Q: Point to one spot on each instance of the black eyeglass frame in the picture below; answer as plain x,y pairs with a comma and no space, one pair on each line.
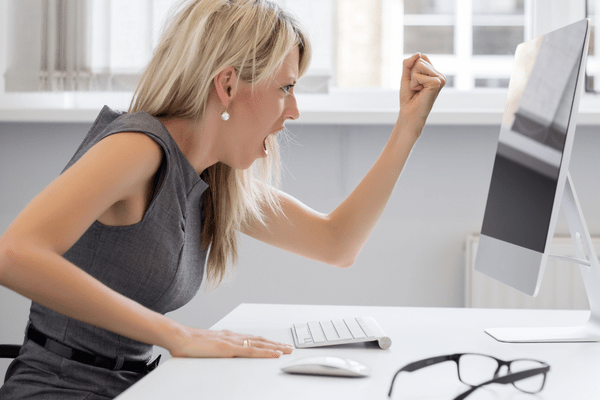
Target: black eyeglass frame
510,377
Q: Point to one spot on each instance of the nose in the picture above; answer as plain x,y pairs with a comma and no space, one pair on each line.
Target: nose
291,110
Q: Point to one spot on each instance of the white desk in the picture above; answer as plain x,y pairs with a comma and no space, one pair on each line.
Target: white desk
416,333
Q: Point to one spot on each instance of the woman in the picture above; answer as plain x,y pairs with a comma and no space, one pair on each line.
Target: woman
123,234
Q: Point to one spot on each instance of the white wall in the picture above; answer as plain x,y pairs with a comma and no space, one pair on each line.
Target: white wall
415,256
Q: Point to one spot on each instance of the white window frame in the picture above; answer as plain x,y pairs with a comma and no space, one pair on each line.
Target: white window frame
339,106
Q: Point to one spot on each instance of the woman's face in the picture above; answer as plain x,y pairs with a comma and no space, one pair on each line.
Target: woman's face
258,111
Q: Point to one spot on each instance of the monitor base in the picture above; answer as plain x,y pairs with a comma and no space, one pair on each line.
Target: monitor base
589,332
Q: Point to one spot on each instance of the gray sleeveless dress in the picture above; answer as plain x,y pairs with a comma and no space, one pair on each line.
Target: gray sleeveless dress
157,262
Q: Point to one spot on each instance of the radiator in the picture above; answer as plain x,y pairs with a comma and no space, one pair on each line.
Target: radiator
561,288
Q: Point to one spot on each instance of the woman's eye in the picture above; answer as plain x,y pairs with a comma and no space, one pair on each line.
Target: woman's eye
287,88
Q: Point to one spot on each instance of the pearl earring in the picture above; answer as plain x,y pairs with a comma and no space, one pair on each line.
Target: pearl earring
225,115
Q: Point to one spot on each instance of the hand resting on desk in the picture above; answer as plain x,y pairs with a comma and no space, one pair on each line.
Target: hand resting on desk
195,342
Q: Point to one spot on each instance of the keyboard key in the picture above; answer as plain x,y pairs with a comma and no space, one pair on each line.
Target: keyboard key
342,329
302,333
316,332
301,329
364,327
330,332
355,328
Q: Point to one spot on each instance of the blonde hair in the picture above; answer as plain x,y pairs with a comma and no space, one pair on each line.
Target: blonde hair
202,38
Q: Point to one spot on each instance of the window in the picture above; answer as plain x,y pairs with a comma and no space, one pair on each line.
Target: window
89,45
122,36
593,65
472,41
357,43
358,46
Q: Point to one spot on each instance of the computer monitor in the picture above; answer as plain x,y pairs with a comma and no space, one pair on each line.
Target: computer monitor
530,178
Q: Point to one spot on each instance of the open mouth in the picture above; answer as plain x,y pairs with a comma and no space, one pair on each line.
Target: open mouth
272,134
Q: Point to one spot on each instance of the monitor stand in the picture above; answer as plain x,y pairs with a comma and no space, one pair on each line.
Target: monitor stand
590,271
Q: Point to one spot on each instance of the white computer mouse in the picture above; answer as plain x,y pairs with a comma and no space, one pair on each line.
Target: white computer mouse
332,366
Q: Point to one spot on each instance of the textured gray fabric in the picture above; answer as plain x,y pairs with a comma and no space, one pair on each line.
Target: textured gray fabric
157,262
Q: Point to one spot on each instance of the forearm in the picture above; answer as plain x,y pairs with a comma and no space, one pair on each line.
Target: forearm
352,222
47,278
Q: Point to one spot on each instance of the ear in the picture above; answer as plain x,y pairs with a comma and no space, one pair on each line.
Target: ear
226,85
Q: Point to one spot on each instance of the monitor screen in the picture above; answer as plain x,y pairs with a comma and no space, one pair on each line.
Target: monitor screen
532,157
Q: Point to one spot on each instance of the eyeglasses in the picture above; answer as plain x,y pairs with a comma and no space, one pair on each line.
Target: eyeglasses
477,370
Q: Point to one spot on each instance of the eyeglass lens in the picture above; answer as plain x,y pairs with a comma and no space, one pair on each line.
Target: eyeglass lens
529,385
473,369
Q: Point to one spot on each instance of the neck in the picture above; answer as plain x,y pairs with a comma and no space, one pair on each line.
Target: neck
195,145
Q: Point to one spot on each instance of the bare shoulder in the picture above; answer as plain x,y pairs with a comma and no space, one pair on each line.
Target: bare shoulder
136,146
117,167
129,161
125,156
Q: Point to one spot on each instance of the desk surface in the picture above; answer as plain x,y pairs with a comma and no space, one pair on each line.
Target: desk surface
416,333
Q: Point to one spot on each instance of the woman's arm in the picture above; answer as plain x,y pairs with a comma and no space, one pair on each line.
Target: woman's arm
338,237
31,249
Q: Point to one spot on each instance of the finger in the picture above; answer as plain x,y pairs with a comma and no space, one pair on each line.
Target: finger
261,339
421,82
257,352
410,61
407,66
423,74
424,57
424,66
434,71
238,339
420,67
263,343
424,61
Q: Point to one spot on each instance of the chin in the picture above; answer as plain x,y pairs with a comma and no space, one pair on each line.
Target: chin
243,163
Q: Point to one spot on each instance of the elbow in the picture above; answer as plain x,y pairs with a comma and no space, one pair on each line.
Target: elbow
9,257
345,264
4,261
335,257
342,259
339,251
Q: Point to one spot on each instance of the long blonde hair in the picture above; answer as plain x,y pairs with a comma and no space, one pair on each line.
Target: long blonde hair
201,39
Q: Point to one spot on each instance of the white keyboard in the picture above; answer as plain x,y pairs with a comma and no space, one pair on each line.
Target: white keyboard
339,331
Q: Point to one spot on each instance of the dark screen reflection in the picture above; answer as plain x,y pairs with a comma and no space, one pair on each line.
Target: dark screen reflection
532,138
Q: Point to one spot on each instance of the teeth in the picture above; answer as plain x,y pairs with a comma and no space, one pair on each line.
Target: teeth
265,146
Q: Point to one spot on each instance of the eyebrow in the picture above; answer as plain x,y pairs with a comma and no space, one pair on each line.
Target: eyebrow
291,80
288,79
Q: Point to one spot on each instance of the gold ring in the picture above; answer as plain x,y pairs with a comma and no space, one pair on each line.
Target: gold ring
246,343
